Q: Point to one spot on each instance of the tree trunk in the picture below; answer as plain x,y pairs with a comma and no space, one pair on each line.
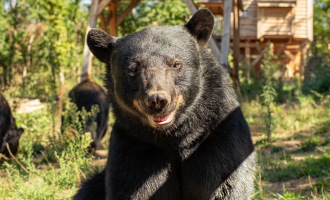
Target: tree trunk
4,75
87,55
27,63
225,38
13,49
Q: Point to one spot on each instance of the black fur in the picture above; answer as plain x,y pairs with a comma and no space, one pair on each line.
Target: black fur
86,94
93,188
9,133
205,152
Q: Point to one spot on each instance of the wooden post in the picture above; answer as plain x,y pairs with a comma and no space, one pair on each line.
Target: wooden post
310,30
304,57
103,26
112,23
247,58
211,43
225,39
87,55
236,45
129,8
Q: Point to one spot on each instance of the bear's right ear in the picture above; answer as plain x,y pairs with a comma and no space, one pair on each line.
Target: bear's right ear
200,26
101,44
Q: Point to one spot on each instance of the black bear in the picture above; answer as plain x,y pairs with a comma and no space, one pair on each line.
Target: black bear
9,133
86,94
179,132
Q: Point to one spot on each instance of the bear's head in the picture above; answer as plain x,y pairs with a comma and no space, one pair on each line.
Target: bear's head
155,72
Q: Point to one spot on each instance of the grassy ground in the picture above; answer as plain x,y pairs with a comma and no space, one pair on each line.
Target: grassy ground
295,165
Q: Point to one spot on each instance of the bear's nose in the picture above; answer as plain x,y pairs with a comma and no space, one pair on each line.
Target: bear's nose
157,102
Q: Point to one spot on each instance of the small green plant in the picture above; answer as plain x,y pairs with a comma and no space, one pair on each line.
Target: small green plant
310,143
287,195
269,67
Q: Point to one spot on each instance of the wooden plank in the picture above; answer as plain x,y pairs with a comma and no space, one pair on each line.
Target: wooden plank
112,23
296,46
260,22
310,20
225,40
275,4
293,11
87,55
211,43
129,8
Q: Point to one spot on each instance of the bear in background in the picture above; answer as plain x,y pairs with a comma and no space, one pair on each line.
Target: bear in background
9,133
87,94
179,132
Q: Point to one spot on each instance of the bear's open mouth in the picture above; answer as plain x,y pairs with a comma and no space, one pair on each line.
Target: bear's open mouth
162,119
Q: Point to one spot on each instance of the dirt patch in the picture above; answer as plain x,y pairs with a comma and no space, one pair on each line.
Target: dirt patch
301,185
291,145
28,105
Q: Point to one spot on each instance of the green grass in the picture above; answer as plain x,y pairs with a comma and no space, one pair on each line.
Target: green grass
299,149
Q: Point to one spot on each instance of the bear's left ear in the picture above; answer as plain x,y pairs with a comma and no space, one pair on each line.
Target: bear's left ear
101,44
200,26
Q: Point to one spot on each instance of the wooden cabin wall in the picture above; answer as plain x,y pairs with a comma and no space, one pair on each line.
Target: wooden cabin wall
277,21
300,28
248,24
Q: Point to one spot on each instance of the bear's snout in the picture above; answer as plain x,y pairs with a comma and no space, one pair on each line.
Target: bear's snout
156,102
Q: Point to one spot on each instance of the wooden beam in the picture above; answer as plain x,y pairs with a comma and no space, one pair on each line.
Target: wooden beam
225,40
236,45
103,26
289,54
129,8
112,23
87,55
211,43
257,59
293,46
294,60
247,58
102,5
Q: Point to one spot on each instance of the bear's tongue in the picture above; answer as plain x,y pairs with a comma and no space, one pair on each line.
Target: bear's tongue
160,118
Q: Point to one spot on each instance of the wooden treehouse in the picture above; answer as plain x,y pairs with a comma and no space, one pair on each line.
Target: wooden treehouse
111,21
286,24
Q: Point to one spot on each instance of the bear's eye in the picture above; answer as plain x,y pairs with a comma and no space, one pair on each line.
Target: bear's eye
132,71
177,65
